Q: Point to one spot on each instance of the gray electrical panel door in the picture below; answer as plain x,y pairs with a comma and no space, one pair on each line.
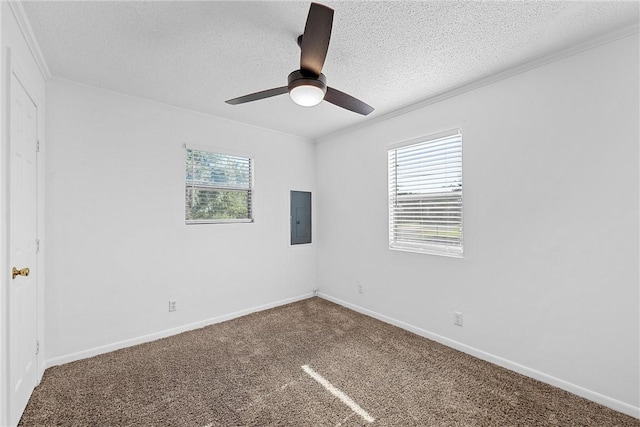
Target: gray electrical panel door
300,217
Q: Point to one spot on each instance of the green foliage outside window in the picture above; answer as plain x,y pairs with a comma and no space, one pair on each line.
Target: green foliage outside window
214,204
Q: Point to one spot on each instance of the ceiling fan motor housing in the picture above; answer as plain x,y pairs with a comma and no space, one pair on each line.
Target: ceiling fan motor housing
300,78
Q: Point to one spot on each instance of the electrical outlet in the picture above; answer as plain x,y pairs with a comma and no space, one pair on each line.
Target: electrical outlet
173,305
360,288
457,318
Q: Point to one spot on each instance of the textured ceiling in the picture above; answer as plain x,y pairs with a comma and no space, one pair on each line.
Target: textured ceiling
390,54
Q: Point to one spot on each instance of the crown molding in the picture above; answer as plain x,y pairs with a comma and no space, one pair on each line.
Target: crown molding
29,37
495,77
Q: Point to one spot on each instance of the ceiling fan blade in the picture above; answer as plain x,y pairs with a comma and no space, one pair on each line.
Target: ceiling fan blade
346,101
258,95
315,40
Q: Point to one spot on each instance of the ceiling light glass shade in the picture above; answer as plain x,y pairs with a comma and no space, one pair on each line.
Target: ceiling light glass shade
307,95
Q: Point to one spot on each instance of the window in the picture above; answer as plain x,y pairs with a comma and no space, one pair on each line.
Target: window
218,187
425,195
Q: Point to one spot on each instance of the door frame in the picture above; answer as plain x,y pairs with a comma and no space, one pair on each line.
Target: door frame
11,68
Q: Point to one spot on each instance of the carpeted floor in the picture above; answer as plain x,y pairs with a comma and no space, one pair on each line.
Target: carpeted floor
248,372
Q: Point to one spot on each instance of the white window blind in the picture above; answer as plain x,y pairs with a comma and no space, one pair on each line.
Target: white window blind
425,195
218,187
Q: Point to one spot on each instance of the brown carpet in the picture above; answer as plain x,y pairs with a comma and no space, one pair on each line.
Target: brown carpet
247,372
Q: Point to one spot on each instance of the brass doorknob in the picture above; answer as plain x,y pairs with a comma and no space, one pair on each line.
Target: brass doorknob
22,272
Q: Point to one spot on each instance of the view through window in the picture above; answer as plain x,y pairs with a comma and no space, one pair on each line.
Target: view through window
425,195
218,187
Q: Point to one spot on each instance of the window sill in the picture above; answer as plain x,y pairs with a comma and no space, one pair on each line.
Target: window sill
426,251
218,221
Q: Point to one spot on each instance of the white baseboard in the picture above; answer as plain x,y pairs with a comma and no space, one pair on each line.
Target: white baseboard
607,401
166,333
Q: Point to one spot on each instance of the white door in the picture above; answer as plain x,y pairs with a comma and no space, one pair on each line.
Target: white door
22,241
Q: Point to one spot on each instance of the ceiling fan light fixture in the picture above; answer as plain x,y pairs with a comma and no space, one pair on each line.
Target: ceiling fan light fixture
305,90
307,95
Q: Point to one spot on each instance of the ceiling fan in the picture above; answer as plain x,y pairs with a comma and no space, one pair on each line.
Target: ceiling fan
308,86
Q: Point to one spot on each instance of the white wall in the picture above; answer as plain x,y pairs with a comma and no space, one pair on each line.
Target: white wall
16,57
549,280
118,246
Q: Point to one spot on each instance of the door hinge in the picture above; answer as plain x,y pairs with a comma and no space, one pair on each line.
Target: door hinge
38,146
37,245
37,347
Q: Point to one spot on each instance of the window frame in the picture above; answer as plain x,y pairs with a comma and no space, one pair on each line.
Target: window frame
250,190
424,247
